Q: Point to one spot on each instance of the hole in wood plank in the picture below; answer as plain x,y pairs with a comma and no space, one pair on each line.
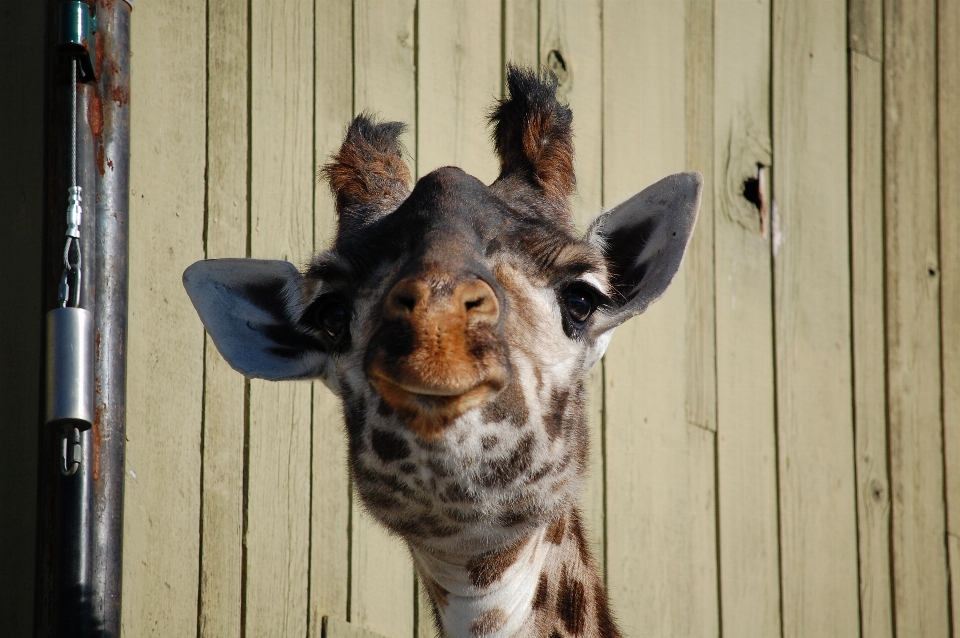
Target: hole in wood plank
558,66
754,191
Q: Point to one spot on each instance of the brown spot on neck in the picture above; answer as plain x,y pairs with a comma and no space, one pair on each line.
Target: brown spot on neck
571,603
556,530
488,568
488,622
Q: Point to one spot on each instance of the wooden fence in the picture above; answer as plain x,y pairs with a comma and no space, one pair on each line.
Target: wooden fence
776,443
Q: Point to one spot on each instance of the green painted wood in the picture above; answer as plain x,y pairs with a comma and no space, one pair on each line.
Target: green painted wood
914,392
335,628
746,440
948,124
818,533
161,537
660,522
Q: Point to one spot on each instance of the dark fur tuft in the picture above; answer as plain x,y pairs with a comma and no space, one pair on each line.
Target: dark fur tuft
532,134
368,176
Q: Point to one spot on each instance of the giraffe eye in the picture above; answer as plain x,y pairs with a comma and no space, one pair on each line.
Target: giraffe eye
579,300
331,315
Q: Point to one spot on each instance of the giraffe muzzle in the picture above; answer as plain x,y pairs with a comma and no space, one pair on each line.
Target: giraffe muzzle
439,351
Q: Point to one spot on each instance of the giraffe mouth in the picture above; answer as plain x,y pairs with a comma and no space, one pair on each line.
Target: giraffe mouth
428,410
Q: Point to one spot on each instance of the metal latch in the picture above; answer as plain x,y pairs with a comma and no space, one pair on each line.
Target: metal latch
78,23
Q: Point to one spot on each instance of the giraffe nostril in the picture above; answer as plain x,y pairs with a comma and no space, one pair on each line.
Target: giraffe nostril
479,300
404,297
405,301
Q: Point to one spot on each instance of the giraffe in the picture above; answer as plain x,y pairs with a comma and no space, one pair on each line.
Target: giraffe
456,323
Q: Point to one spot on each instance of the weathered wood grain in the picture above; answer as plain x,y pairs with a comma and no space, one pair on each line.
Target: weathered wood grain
746,439
571,33
277,520
381,590
161,537
865,28
334,628
701,403
869,370
459,74
221,522
700,337
912,320
521,29
818,536
948,125
656,535
330,487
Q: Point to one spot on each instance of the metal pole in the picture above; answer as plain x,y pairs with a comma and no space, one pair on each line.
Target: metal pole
110,327
80,517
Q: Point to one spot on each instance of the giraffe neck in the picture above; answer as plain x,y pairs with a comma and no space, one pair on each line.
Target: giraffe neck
545,585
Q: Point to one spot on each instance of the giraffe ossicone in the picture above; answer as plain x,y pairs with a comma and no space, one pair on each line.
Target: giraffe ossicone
456,322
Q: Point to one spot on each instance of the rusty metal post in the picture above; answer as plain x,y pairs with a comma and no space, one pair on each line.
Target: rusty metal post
110,323
80,517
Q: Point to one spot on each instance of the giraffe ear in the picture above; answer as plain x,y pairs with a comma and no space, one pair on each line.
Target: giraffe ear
532,135
644,240
367,175
243,305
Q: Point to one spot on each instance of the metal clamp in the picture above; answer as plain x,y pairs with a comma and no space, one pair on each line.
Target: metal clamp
78,23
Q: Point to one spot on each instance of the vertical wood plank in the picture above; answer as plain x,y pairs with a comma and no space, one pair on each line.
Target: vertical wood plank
913,320
165,347
382,595
818,537
700,339
521,28
746,442
330,492
948,119
458,78
656,531
281,203
571,47
221,522
700,336
869,369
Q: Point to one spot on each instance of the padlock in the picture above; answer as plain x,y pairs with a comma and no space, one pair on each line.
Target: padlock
70,368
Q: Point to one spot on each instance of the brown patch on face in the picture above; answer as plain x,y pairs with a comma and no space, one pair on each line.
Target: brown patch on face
571,603
488,622
367,175
556,530
487,569
540,597
438,353
505,471
509,404
553,419
388,446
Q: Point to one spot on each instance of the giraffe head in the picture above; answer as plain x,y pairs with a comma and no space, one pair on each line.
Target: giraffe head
456,321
